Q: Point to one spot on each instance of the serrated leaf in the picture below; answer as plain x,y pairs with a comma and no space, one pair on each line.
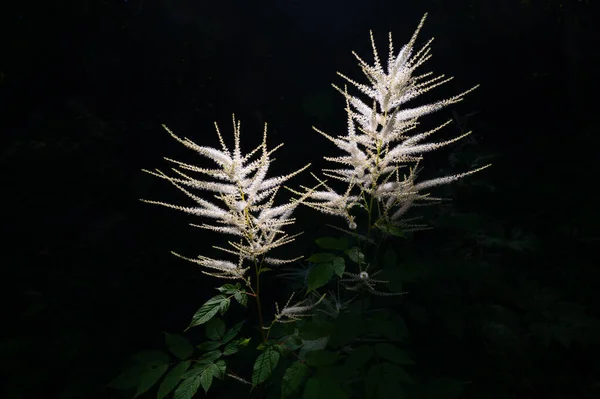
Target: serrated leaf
210,356
232,332
319,275
237,291
339,266
264,365
331,243
188,386
224,306
220,368
179,345
293,378
209,310
321,358
288,344
356,255
172,379
206,378
150,377
393,354
229,289
321,257
241,298
235,346
215,329
208,345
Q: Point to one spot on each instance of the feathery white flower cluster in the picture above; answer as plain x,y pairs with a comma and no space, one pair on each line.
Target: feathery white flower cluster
377,142
247,198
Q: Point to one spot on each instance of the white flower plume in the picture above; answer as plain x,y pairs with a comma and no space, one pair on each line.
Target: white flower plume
377,144
246,199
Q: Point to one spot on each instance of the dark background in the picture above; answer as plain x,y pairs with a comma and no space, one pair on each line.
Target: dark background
508,300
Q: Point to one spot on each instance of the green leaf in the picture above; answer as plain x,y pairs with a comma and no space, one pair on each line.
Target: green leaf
319,275
241,298
206,377
172,379
264,365
339,266
321,358
332,243
151,375
210,356
215,329
189,385
209,310
356,255
293,378
321,257
311,389
229,289
232,332
235,346
393,354
179,345
208,345
237,291
220,368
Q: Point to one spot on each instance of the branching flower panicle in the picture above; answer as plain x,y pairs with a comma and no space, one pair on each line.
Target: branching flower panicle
246,199
378,144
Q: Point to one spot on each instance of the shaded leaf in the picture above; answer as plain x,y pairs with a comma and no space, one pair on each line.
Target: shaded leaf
150,377
319,275
188,386
293,378
179,345
210,356
356,255
208,345
264,365
232,332
172,379
215,329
